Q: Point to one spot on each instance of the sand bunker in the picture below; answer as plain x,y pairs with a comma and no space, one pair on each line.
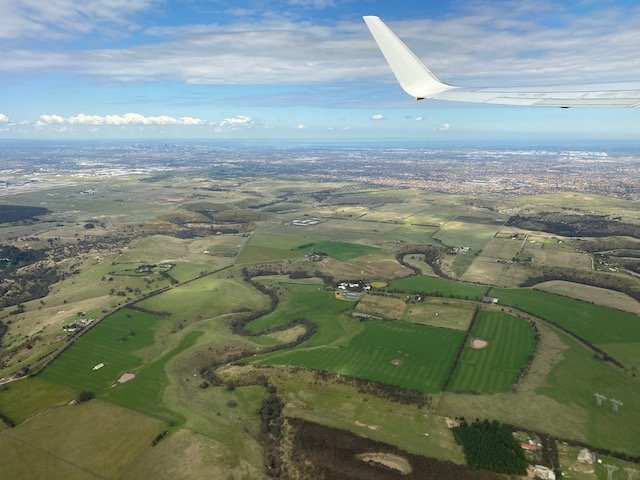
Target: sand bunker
396,361
389,460
125,377
479,343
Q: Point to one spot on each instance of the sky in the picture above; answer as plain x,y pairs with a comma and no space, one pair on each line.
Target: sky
305,69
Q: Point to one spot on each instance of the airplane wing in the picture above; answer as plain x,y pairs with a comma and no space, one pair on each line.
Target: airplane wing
418,81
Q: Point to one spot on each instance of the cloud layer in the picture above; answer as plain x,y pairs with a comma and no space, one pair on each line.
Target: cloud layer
486,42
117,120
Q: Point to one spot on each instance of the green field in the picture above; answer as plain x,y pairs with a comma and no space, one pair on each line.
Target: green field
313,303
574,381
496,367
596,324
269,247
93,440
206,297
425,355
113,342
437,287
339,250
21,399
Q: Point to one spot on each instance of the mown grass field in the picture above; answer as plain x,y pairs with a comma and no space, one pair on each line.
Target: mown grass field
339,250
437,287
594,323
21,399
315,304
496,367
112,342
424,355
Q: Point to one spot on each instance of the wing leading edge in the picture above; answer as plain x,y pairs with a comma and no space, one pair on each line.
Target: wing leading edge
418,81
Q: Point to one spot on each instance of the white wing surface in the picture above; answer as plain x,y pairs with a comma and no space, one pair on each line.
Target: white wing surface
418,81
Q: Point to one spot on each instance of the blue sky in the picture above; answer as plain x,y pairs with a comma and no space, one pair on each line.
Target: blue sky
304,69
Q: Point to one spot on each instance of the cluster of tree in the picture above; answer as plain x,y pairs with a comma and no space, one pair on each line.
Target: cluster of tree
454,365
331,453
532,355
491,446
431,257
3,330
15,213
25,285
159,437
271,422
85,396
550,455
7,421
13,257
575,225
586,277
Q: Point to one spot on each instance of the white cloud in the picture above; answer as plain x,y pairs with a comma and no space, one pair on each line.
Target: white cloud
65,18
237,121
418,119
300,126
319,4
119,120
486,43
443,127
377,116
3,118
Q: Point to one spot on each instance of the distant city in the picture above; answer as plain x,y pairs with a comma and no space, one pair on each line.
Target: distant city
504,171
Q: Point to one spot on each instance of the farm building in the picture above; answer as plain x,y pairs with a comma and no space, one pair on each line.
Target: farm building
491,300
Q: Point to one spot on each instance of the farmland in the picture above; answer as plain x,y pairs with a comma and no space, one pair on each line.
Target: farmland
411,356
172,299
496,367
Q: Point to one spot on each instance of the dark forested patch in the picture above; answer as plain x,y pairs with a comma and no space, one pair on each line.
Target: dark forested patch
491,446
15,213
11,256
575,225
332,454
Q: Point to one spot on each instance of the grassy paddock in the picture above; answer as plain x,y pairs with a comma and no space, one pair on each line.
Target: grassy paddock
454,314
381,306
496,367
90,440
423,355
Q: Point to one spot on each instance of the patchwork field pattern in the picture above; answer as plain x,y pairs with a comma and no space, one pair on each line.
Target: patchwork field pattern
496,367
416,357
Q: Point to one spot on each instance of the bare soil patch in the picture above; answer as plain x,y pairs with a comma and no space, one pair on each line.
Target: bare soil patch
389,460
479,343
396,361
125,377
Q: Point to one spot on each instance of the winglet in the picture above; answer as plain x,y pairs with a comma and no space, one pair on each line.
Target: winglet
413,75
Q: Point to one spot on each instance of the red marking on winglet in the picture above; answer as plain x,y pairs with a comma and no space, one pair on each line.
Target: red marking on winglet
419,98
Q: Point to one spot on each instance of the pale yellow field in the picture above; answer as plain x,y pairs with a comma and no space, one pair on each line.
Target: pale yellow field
441,313
381,306
601,296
